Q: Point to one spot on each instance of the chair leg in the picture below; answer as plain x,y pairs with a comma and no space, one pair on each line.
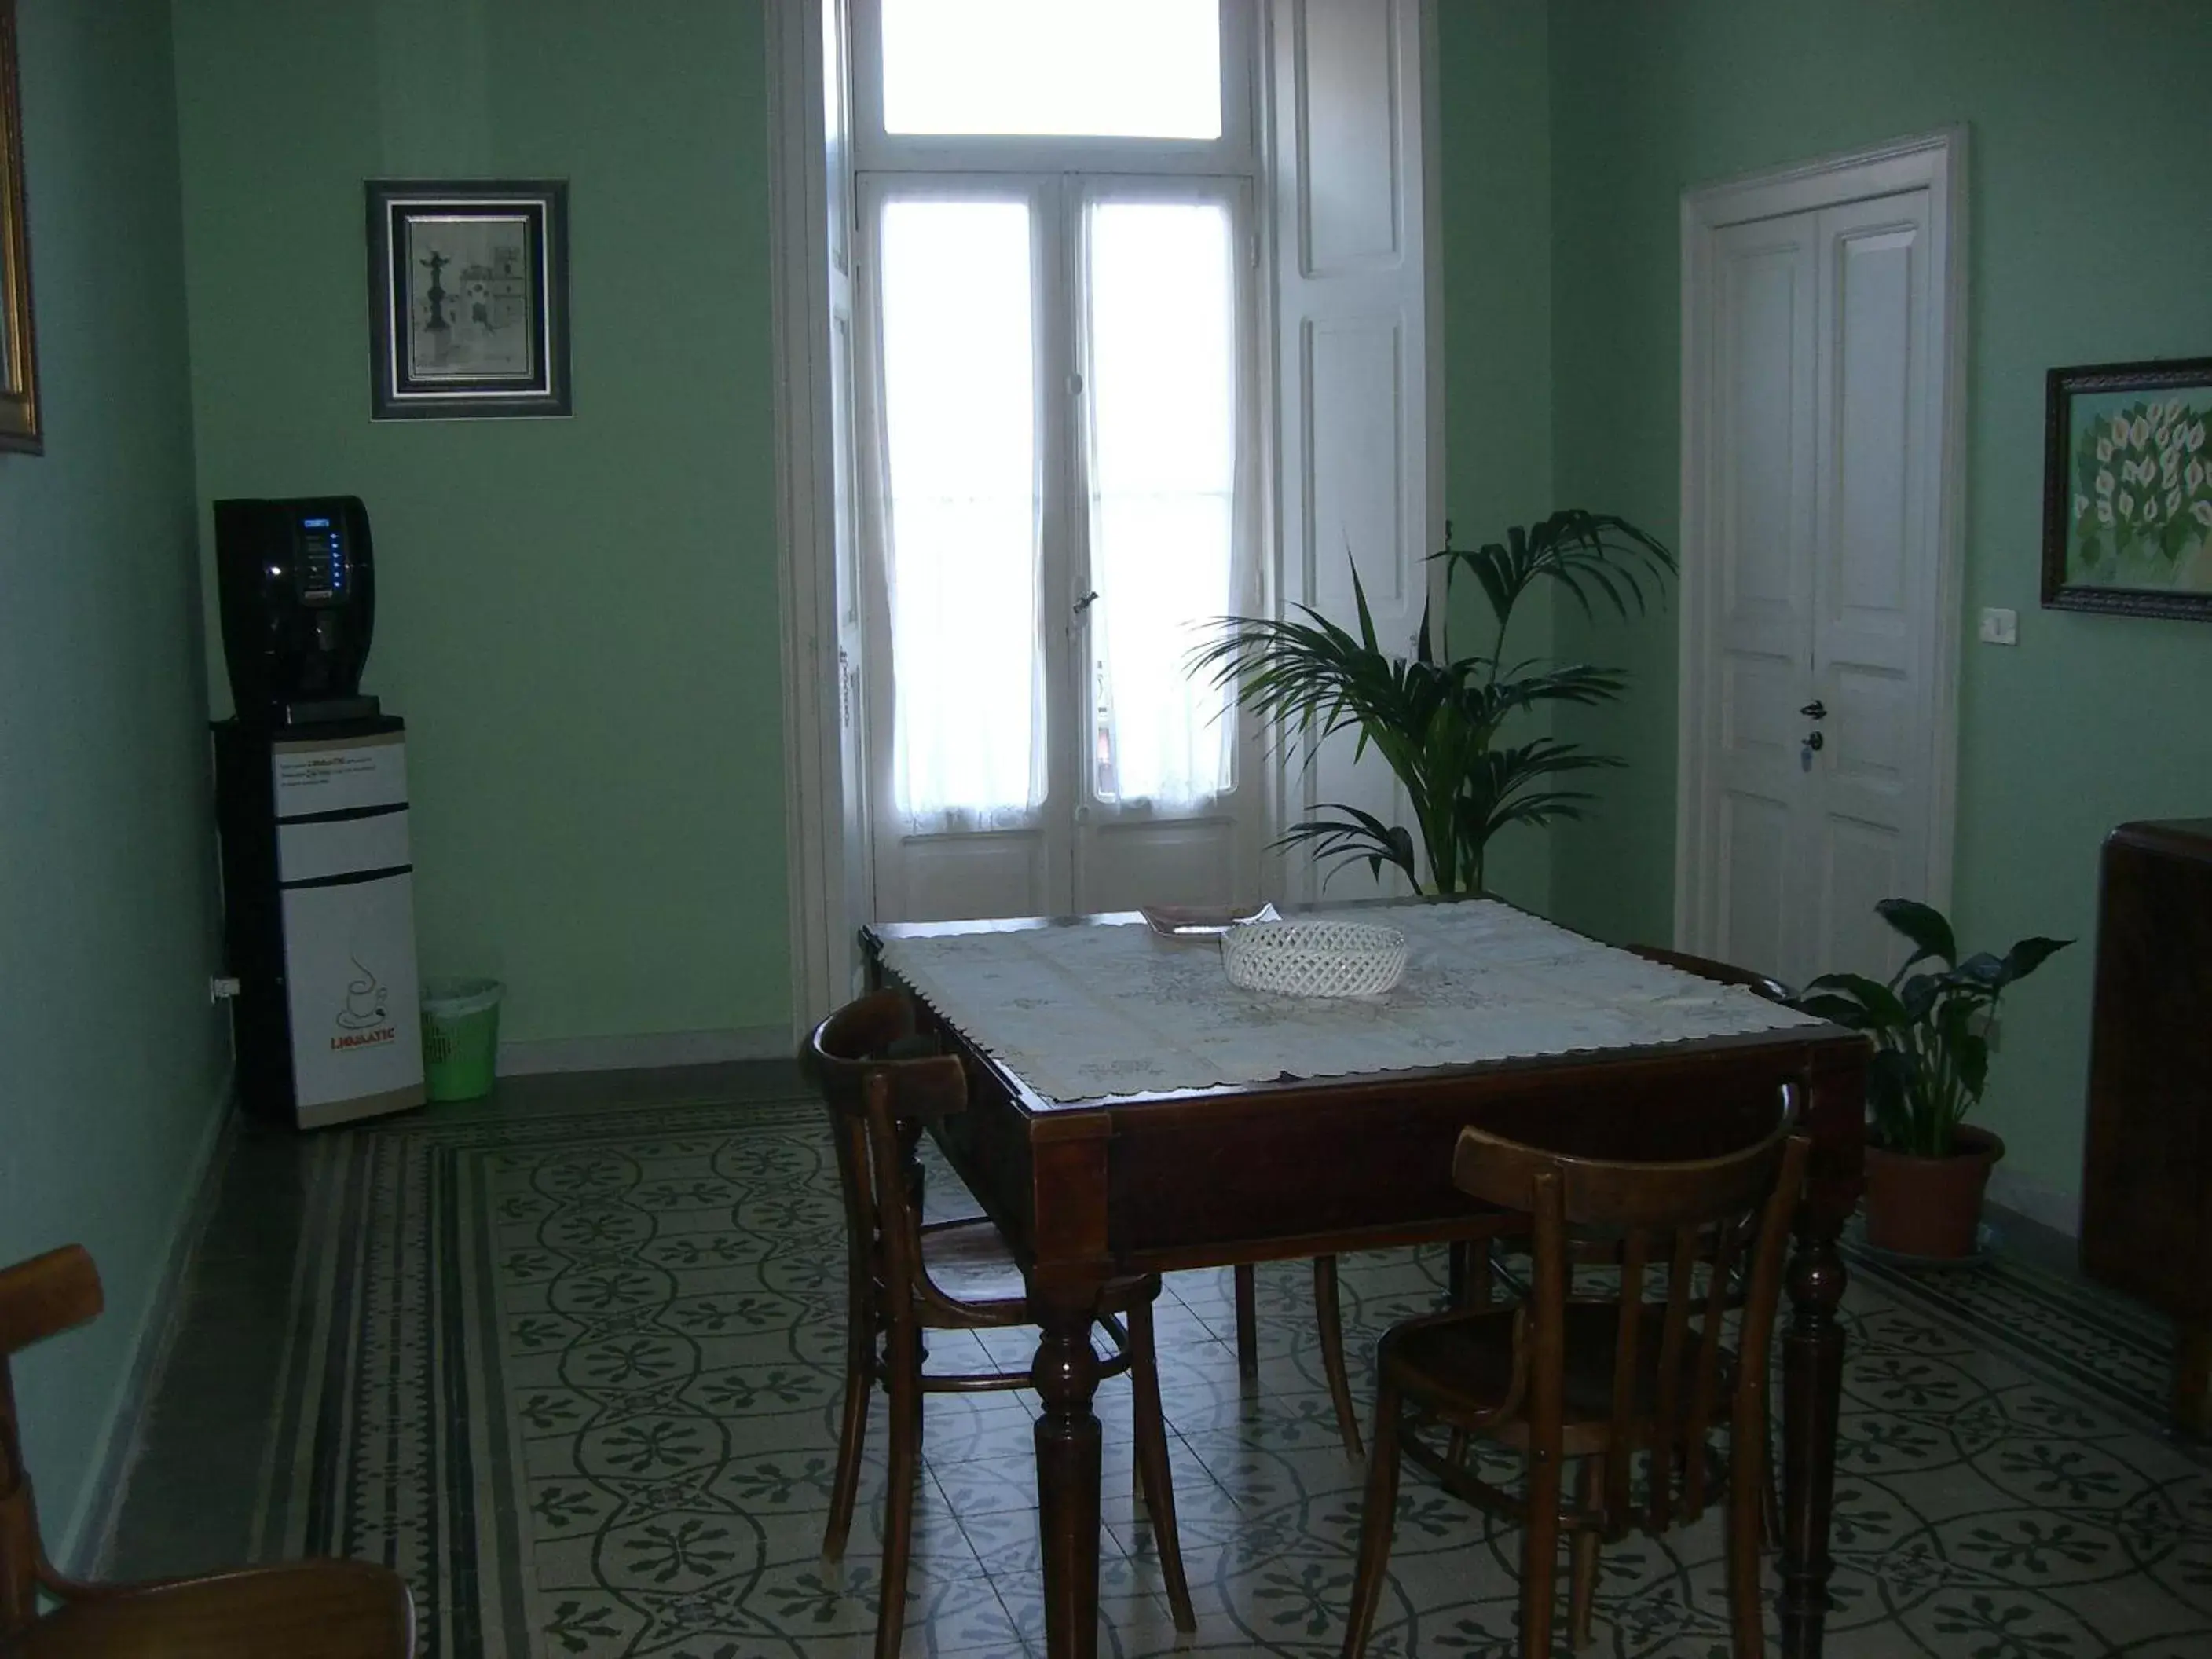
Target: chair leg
1746,1476
1582,1584
905,1475
1469,1282
1157,1478
1247,1322
1770,1495
852,1435
1378,1518
1331,1322
1540,1559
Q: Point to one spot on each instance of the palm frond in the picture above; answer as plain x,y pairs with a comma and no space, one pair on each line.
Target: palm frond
1355,837
1583,552
1438,724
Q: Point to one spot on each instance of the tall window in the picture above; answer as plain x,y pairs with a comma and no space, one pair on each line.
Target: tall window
1054,213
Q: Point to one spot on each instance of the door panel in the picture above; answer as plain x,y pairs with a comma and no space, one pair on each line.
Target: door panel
1352,393
1875,578
961,780
1755,841
1855,859
959,877
1168,809
1763,482
1183,861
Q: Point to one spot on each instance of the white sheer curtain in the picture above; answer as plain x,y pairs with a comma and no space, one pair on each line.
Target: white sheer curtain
1162,407
965,513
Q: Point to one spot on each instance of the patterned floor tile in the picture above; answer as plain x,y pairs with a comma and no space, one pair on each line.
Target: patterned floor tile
579,1378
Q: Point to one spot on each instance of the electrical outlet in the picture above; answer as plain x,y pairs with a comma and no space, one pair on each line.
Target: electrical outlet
2000,626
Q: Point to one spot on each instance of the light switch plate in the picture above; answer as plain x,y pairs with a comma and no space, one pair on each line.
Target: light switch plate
2000,627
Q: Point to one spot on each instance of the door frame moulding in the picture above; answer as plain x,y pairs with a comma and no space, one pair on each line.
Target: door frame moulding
821,934
1936,162
820,942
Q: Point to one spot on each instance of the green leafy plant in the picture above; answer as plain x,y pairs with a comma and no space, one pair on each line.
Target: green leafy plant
1440,722
1931,1028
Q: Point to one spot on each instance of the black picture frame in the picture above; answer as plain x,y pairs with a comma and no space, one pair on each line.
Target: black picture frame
2127,487
494,344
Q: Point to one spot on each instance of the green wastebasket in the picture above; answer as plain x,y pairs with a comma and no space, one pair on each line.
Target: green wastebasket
460,1037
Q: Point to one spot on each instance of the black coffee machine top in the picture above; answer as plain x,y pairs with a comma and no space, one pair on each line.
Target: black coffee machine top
297,583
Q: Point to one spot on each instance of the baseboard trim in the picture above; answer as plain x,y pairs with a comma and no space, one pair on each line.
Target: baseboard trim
2046,1205
88,1540
644,1052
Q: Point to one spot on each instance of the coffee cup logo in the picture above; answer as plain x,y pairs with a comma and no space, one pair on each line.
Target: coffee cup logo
365,1002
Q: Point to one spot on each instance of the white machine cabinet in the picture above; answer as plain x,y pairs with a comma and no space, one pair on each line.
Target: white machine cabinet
319,900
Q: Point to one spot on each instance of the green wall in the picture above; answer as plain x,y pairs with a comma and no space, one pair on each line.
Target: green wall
1494,221
2089,241
577,618
111,1059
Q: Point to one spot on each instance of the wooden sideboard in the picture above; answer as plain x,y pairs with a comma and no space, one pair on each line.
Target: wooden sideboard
2146,1185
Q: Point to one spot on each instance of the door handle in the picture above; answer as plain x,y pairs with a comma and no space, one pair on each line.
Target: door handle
1082,605
1815,740
1814,710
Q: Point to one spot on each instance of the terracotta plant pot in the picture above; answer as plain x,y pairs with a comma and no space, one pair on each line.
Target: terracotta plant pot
1930,1207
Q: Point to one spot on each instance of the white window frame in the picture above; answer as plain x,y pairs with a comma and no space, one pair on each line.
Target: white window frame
1262,40
1237,151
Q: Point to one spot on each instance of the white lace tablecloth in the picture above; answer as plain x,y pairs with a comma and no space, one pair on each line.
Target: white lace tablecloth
1110,1008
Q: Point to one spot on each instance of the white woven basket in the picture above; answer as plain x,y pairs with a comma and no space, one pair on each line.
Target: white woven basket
1315,958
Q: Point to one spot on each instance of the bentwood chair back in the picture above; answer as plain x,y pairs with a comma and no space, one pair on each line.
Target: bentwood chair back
333,1609
884,1084
1601,1367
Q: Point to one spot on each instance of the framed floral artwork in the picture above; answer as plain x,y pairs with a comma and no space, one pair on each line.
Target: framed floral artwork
2127,489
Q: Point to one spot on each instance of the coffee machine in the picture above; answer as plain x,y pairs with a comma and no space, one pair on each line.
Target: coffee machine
297,584
310,795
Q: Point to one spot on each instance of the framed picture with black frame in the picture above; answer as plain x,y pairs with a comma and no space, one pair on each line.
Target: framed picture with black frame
468,298
2127,489
19,355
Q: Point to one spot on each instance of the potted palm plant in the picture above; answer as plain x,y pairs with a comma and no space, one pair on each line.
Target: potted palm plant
1925,1169
1444,724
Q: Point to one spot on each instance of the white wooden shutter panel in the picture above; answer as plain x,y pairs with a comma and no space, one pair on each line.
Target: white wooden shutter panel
1352,350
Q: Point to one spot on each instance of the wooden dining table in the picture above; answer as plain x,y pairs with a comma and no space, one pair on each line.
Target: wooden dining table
1165,1178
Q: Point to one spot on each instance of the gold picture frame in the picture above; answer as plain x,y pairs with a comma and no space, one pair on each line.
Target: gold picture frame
19,355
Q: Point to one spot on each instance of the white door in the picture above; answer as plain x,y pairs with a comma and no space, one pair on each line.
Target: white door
1058,390
1815,691
1062,430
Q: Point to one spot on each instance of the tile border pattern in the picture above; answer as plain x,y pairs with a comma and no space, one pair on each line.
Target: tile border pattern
490,1318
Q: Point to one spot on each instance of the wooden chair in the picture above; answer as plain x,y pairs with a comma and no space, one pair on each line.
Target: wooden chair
1330,1320
1599,1374
332,1609
1469,1261
1514,1242
884,1087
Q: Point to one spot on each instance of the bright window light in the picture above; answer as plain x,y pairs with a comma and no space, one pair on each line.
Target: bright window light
960,424
1162,402
1106,69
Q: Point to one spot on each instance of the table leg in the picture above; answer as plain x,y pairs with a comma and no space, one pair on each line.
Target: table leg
1811,1395
1066,1375
2192,1376
1248,1319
